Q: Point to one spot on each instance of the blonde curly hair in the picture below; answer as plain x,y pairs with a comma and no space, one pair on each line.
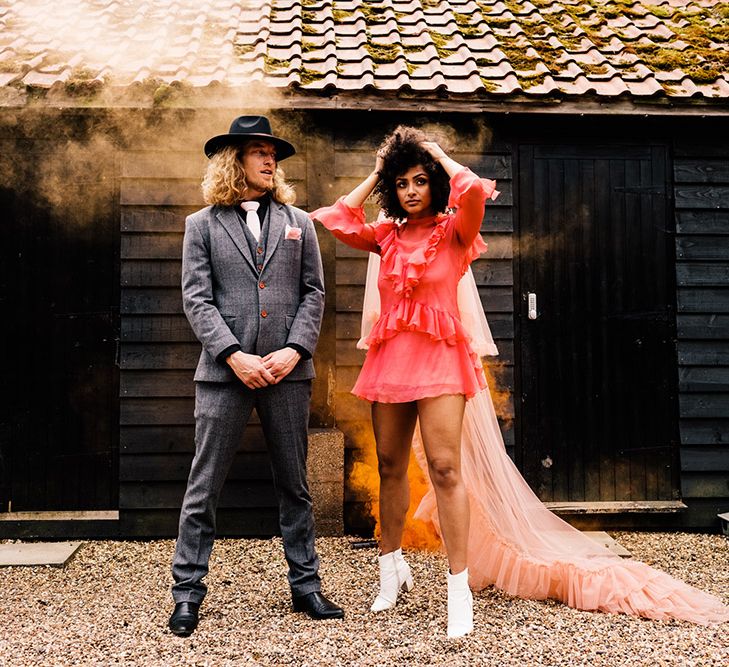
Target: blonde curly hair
224,182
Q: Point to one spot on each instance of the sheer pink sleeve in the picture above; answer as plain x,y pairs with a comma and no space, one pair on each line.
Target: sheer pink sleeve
348,225
468,196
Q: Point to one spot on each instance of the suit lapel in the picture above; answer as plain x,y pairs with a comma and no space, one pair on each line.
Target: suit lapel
276,224
231,223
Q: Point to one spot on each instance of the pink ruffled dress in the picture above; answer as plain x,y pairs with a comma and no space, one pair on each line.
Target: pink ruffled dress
418,348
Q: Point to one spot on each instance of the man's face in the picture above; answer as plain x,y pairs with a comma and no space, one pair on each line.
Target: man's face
259,162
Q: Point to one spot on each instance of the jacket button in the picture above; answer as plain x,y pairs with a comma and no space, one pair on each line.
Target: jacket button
264,313
259,250
259,267
261,284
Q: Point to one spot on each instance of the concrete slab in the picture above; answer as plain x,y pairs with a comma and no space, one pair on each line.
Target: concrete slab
55,554
601,537
724,518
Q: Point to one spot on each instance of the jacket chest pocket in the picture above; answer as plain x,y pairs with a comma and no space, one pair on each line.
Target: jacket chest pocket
288,257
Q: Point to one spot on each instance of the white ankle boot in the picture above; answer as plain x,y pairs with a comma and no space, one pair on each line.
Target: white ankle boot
394,577
460,605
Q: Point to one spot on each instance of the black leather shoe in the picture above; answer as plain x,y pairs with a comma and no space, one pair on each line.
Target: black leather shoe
317,606
184,619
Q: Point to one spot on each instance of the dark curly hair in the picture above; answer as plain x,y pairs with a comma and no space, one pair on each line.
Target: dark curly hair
401,151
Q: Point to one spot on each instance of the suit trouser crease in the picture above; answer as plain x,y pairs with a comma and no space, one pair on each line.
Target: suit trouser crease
222,411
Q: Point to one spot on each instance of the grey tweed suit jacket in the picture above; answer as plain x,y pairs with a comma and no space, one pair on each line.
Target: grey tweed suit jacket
227,301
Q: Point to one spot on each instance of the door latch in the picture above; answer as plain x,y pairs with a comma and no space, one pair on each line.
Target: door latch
532,304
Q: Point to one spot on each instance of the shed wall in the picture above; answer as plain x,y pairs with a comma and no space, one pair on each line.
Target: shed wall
158,185
159,351
701,191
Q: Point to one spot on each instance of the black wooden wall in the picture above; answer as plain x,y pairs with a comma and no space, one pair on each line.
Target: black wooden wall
58,292
159,187
158,173
701,192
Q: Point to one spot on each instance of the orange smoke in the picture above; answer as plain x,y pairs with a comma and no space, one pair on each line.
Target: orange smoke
418,534
500,397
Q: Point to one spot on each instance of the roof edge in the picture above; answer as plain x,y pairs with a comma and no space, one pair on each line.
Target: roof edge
221,97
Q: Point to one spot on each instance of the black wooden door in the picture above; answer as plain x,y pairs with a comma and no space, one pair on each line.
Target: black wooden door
58,294
599,414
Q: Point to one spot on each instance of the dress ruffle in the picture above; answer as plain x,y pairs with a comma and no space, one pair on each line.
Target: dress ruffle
349,225
615,586
474,251
341,218
386,378
609,584
465,181
406,274
409,315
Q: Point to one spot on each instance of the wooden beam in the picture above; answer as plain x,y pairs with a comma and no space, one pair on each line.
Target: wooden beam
617,507
103,515
244,99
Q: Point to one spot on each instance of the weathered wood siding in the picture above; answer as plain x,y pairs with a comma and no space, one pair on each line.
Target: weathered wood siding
353,158
701,190
58,290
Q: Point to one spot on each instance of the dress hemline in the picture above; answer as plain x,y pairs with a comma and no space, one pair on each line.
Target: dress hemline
433,393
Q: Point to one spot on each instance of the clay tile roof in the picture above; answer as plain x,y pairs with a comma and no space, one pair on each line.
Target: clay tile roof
472,49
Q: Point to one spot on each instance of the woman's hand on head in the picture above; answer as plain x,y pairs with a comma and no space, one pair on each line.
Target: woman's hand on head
450,166
435,151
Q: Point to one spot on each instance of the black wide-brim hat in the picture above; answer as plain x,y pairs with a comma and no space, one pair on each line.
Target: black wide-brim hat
245,128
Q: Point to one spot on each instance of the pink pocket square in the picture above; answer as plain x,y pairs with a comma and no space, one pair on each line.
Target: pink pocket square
293,233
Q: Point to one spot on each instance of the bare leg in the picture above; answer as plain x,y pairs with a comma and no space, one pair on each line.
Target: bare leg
441,420
393,424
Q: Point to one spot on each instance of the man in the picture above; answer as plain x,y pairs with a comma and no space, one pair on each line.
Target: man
253,293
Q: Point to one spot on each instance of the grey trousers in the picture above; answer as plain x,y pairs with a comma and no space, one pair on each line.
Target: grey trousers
222,411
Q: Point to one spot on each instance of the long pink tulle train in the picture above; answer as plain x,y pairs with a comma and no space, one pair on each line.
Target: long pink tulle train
518,545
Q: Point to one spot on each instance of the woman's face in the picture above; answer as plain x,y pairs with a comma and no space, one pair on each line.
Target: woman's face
413,192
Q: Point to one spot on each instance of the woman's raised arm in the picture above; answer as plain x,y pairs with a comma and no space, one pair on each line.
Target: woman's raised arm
345,218
468,193
356,198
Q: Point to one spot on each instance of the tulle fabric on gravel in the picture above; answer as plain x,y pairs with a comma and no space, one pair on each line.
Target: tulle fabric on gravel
519,546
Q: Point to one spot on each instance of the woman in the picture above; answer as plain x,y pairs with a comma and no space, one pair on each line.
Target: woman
421,366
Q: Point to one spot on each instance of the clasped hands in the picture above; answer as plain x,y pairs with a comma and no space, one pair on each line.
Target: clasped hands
256,372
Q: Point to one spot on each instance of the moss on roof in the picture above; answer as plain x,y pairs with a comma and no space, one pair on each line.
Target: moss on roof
465,26
649,46
271,64
440,41
693,38
373,13
309,75
341,15
382,53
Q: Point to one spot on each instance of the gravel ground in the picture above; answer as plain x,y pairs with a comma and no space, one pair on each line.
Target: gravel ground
110,606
